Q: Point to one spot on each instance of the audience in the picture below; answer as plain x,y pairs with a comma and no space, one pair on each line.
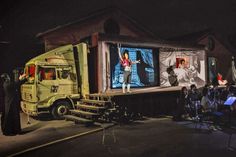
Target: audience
208,103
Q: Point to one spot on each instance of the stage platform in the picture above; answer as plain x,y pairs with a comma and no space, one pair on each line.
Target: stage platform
151,101
157,89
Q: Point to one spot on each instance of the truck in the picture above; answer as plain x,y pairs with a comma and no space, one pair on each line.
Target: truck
85,81
56,81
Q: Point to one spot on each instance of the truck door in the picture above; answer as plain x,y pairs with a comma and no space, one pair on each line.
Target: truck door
47,83
66,81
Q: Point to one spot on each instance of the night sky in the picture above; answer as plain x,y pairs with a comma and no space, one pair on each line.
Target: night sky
21,20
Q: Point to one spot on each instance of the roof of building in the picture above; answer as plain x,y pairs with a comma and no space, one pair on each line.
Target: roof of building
144,42
97,14
195,37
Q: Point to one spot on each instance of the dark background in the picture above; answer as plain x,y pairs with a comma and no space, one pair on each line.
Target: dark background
21,20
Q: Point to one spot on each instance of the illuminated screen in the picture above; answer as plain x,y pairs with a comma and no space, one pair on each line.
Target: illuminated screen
143,73
188,65
230,101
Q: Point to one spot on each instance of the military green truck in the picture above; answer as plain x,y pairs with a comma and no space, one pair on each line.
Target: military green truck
56,81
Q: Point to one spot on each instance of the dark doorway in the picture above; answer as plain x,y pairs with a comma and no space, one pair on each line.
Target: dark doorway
92,66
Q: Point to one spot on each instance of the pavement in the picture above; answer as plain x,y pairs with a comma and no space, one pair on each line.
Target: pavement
153,137
149,137
39,132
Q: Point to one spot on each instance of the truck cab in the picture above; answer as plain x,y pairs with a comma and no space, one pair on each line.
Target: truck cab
56,80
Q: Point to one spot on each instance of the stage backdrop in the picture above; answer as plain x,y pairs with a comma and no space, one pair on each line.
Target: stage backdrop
192,70
144,74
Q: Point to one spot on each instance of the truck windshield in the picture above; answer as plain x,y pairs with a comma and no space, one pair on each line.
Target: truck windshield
30,71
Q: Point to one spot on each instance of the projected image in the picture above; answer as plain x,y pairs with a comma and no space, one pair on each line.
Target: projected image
189,66
182,62
142,74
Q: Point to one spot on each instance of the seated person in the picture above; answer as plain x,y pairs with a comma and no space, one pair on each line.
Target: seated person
194,93
194,98
205,102
220,80
209,110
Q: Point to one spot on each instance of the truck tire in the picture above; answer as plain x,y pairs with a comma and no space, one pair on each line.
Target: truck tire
60,109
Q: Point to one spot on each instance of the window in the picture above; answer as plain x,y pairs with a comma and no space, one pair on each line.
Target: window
30,71
63,74
47,73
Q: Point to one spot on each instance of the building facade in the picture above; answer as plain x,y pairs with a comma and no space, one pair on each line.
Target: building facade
104,29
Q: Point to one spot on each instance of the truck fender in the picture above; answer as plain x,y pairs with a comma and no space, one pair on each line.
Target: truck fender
55,98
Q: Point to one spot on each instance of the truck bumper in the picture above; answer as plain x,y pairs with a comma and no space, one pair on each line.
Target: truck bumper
29,108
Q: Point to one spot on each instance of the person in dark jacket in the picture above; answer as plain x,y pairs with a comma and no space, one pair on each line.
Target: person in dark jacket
182,103
10,120
194,99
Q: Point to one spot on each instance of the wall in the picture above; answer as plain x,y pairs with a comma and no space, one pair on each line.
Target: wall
223,57
73,33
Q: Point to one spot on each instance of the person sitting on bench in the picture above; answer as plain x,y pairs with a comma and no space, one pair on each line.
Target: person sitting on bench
209,110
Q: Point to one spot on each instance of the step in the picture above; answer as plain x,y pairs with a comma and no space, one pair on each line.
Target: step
79,112
112,109
98,96
77,119
90,107
99,102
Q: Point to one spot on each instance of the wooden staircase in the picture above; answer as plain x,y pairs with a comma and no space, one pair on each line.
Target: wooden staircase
94,108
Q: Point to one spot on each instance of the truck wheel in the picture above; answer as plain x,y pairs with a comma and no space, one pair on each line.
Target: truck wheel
60,109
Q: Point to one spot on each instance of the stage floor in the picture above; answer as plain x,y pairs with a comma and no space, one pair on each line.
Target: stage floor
134,91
